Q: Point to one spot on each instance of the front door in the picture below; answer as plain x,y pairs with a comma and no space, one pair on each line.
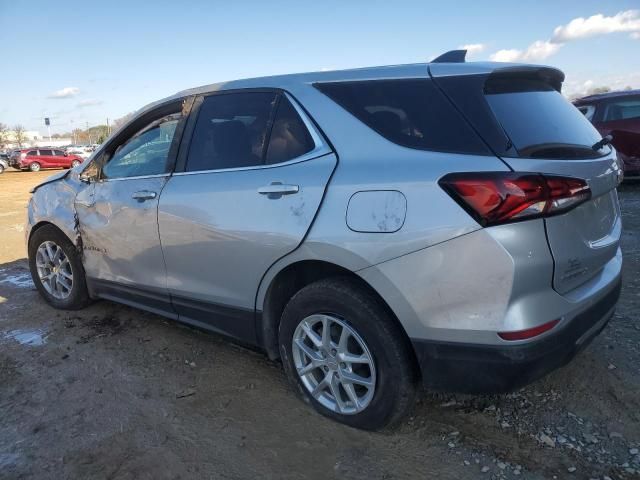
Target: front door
117,213
254,178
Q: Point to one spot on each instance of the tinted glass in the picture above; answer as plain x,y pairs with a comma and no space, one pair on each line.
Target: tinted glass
58,153
231,131
289,135
32,152
622,110
146,153
412,113
540,122
47,153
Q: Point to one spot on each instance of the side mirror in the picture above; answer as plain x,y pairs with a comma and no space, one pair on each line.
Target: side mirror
66,154
85,177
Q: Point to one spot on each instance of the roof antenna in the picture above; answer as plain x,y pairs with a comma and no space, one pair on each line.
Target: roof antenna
452,56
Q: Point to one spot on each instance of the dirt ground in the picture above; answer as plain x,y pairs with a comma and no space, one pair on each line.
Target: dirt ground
111,392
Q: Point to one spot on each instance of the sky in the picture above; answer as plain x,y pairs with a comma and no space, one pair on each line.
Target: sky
81,62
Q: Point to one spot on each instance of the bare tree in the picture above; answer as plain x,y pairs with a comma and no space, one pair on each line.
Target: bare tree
19,135
118,122
596,90
4,135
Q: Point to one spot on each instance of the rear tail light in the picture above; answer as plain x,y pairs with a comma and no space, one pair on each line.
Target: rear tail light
493,198
529,332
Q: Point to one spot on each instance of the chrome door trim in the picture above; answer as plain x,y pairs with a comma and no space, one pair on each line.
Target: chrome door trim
160,175
303,158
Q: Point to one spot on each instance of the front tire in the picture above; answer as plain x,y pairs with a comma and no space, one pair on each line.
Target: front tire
34,167
346,356
56,269
75,163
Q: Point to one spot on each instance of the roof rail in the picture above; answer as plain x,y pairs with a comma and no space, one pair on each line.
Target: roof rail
452,56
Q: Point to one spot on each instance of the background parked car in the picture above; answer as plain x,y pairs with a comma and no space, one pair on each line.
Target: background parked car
618,114
4,164
83,151
35,159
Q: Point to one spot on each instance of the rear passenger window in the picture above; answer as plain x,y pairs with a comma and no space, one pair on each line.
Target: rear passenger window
289,135
32,152
412,113
231,131
46,153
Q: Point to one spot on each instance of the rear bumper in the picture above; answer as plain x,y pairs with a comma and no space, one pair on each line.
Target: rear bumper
473,368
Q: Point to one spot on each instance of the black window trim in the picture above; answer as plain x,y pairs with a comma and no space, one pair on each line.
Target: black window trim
321,145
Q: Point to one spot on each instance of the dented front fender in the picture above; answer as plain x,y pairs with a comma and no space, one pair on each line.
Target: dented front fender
53,201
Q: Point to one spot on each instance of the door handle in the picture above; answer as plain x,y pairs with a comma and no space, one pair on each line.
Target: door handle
277,189
143,195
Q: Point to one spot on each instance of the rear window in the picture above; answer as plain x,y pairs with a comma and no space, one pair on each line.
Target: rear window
539,121
412,113
624,109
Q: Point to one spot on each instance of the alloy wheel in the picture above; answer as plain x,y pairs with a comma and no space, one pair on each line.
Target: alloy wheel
334,363
54,270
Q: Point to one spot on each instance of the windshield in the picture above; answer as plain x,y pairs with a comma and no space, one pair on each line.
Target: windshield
540,122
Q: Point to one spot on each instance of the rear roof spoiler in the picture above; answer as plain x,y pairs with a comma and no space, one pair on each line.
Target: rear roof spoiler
452,56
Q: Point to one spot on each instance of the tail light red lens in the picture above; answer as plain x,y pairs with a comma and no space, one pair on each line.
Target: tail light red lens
493,198
528,333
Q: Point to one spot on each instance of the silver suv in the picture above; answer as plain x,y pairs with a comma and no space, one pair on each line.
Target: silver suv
452,223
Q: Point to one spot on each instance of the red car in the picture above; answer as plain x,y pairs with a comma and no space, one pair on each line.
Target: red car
618,114
35,159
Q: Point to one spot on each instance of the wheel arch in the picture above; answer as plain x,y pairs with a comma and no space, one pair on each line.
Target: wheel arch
293,277
43,223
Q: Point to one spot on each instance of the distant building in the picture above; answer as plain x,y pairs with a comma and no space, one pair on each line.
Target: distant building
29,138
32,138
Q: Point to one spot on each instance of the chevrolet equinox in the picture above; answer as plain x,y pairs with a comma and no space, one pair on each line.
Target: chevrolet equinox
452,224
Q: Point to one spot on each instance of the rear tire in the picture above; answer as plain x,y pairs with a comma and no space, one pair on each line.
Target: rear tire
1,169
34,167
347,306
66,286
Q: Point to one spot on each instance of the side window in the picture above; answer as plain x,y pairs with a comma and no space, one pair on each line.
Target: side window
58,153
231,131
46,153
289,135
146,152
412,113
622,110
32,153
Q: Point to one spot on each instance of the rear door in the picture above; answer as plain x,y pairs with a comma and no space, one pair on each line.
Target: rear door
533,128
60,159
46,158
251,181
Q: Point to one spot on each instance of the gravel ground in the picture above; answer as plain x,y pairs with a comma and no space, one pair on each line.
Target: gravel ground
113,392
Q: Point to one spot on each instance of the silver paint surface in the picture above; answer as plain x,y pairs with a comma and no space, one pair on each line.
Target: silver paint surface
444,277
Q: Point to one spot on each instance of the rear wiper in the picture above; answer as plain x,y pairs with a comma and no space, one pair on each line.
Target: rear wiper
606,140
